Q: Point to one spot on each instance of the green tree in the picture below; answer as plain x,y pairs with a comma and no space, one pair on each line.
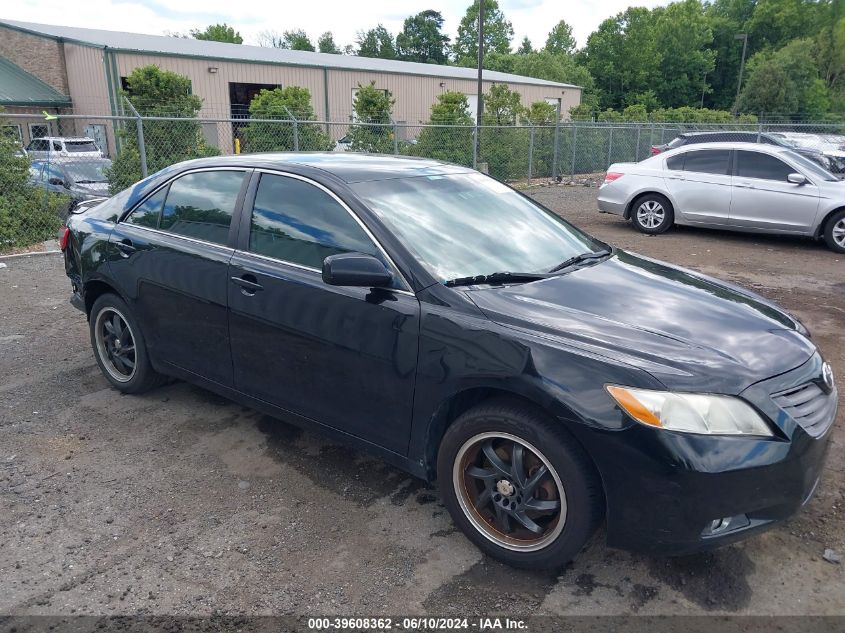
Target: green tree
422,39
453,143
561,40
377,42
727,19
504,147
525,48
773,23
281,103
372,131
498,32
296,40
162,93
682,35
218,33
326,44
785,82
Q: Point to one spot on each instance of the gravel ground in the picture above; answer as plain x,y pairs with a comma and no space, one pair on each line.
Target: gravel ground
180,502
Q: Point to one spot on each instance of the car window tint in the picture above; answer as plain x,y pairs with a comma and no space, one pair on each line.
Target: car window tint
296,222
675,162
201,205
763,166
148,212
81,146
710,161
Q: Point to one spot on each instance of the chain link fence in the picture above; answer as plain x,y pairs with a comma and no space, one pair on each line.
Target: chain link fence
49,164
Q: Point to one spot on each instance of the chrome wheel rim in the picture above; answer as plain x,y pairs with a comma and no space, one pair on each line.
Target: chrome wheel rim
651,214
509,491
839,233
115,344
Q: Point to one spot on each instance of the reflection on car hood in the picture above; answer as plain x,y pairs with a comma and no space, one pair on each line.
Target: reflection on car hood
689,331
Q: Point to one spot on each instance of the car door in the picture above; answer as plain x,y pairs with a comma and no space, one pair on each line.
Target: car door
700,183
170,257
765,200
345,357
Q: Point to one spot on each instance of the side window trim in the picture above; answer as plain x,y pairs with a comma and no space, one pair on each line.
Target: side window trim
242,244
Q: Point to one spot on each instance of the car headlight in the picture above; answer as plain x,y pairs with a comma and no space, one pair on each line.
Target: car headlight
690,412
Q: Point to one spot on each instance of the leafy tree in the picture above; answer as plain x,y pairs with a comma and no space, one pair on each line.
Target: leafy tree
377,42
540,113
218,33
561,40
156,92
682,35
502,106
422,39
296,40
504,147
372,131
785,81
452,144
525,47
773,23
280,103
326,44
498,32
727,18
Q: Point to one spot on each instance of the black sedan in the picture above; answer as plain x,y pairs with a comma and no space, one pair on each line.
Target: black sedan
459,330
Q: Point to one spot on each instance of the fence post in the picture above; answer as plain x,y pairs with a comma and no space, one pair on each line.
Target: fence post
637,148
574,146
142,149
295,129
557,140
395,137
530,153
759,128
609,145
475,147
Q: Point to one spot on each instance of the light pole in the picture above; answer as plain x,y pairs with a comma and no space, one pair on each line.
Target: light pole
744,38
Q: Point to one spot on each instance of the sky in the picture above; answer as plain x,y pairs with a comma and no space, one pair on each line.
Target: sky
343,18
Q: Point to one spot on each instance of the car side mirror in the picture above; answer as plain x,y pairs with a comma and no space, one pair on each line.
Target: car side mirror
57,181
355,269
797,179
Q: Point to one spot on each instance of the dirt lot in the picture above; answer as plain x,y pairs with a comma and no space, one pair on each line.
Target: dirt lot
181,502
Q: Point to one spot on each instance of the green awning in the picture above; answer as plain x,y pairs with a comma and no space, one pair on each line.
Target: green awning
20,88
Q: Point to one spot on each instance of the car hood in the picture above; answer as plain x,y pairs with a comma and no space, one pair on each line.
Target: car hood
92,188
689,331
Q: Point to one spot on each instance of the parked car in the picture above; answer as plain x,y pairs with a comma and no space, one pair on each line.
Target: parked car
456,328
84,179
737,136
55,148
736,186
816,142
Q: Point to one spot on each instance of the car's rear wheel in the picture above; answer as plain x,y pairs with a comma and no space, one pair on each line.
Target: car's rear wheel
119,346
834,232
518,486
652,214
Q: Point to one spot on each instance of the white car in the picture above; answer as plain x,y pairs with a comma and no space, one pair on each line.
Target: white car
735,186
59,147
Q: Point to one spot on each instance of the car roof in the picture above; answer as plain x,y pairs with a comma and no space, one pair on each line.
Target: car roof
757,147
347,166
63,138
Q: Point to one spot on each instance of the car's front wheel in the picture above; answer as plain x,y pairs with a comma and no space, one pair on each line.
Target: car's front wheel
834,232
652,214
519,486
119,346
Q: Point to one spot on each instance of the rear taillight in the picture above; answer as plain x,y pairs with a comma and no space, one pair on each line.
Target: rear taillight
613,175
64,237
655,150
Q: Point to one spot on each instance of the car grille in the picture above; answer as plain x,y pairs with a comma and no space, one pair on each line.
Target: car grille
810,406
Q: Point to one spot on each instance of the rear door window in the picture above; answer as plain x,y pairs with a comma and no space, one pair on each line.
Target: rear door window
149,211
762,166
201,205
675,162
708,161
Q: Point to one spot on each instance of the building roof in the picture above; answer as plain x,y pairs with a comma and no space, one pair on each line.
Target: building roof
166,45
20,88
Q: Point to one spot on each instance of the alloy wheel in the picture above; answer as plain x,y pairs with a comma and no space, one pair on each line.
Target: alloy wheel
839,233
115,344
651,214
509,491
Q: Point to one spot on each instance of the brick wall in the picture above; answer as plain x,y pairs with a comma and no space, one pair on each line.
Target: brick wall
39,56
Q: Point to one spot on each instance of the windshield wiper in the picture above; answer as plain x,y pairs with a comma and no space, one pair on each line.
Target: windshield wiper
495,278
583,257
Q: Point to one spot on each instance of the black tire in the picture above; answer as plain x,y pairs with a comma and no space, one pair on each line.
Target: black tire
834,232
119,347
581,502
652,214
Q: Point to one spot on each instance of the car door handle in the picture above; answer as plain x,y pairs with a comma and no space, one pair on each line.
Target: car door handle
125,247
248,283
744,185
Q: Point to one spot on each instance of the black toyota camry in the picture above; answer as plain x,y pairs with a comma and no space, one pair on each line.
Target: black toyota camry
459,330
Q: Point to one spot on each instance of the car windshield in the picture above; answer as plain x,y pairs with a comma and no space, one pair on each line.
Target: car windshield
87,172
464,225
812,168
81,146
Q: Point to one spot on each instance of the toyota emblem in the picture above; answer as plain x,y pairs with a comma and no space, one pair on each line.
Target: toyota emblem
827,376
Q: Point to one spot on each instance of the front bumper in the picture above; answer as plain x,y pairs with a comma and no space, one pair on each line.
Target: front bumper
664,490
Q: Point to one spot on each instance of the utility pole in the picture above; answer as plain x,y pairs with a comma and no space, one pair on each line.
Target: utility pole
480,100
744,38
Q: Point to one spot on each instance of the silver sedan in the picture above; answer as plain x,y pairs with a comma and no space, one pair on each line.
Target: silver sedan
734,186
